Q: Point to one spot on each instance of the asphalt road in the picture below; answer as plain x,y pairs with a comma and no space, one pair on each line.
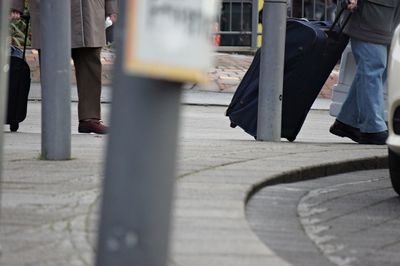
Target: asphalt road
347,219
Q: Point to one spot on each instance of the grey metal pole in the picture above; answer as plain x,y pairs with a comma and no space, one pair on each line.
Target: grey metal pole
254,24
271,75
4,67
140,168
55,79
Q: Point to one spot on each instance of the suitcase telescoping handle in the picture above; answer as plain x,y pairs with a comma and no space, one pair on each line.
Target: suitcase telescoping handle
26,18
344,5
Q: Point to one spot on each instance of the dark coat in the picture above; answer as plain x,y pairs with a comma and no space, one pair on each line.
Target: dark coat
87,21
374,21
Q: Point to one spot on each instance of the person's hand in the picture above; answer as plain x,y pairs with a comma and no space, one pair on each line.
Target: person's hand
352,5
15,14
113,18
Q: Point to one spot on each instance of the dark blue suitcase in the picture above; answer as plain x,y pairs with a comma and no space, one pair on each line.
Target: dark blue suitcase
312,50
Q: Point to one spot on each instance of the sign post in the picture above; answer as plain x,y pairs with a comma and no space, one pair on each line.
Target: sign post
4,68
271,70
55,79
159,45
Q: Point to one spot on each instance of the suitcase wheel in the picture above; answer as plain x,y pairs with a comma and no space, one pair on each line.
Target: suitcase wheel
14,127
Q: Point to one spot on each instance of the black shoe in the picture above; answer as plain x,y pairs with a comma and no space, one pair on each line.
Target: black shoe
378,138
342,130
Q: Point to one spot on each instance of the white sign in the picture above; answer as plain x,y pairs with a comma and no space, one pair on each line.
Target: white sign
170,39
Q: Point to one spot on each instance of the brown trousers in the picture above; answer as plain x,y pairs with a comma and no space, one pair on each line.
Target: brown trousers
88,80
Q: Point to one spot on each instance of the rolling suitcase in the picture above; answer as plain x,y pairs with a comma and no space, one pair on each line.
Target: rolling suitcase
18,86
312,50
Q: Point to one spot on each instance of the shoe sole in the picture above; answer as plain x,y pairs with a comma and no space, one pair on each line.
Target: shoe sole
86,130
372,143
362,141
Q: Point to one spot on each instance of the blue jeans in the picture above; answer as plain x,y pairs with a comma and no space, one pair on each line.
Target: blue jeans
364,106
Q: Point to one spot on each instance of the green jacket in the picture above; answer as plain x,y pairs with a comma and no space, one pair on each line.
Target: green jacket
87,21
374,21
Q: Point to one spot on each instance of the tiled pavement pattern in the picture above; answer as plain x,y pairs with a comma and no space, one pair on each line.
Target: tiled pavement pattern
224,77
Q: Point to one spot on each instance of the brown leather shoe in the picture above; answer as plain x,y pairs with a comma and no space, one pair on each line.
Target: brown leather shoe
92,126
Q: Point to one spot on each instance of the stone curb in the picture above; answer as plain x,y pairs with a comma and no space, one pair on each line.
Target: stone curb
320,171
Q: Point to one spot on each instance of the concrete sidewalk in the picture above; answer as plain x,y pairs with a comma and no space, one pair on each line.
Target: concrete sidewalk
50,209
